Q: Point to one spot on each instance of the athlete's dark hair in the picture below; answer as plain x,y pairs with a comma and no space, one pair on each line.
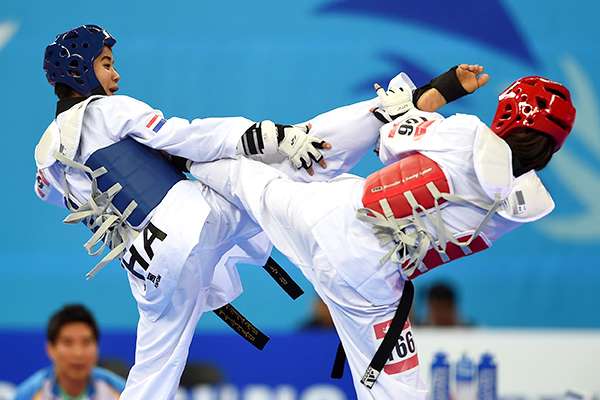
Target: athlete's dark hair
69,314
63,91
530,149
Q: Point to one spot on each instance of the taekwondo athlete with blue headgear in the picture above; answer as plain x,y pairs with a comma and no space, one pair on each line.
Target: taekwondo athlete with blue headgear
103,158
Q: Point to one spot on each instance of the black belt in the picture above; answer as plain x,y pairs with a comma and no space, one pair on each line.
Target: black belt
283,279
387,345
232,317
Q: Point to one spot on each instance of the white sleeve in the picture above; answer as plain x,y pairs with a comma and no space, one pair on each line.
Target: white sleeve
46,188
414,131
200,140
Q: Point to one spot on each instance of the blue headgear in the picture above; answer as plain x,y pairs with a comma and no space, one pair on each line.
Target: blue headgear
70,58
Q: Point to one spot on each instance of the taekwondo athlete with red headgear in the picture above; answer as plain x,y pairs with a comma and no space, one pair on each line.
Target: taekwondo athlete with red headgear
451,187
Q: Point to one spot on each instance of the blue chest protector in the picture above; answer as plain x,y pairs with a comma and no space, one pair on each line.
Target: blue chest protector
144,173
146,176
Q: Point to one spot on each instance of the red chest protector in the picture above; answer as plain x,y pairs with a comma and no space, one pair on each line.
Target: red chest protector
394,185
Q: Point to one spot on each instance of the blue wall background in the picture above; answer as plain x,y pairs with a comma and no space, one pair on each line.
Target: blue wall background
288,61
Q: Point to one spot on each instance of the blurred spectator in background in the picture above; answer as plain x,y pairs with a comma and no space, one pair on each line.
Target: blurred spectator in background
320,318
442,310
72,345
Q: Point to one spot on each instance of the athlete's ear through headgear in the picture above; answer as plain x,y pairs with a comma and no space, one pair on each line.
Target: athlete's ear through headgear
536,103
70,58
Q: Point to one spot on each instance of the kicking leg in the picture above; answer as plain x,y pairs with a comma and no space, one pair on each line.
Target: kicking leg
285,209
288,211
352,131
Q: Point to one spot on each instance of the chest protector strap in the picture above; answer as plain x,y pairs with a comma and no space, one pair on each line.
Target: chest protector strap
128,180
434,259
399,198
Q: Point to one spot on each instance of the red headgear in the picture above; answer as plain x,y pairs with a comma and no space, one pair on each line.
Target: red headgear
537,103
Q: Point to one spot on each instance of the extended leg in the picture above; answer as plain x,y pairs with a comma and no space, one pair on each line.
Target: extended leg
288,211
352,131
285,209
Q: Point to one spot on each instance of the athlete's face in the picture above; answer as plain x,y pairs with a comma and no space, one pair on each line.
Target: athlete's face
75,352
107,75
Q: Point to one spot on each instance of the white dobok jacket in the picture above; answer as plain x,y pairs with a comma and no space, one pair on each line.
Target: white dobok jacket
102,121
